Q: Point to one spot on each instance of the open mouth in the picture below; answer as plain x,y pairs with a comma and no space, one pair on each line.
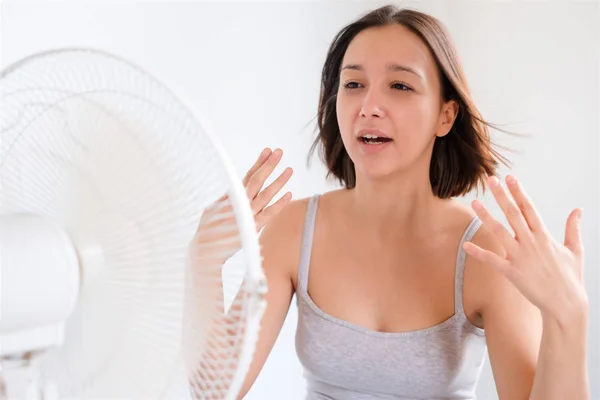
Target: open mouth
374,139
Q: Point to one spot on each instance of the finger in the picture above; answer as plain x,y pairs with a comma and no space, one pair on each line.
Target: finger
222,199
573,232
218,233
215,215
264,156
506,239
265,197
489,258
217,204
533,219
265,215
212,210
257,180
513,214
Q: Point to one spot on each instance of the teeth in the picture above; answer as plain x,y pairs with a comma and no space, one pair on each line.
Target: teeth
370,141
370,137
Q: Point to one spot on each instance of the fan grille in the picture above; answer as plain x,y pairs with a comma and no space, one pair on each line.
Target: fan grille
96,144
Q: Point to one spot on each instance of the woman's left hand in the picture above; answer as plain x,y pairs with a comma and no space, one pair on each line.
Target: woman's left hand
547,273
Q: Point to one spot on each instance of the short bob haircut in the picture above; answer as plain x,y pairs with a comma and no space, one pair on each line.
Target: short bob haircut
461,160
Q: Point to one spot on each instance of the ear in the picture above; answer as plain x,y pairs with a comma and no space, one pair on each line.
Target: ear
448,115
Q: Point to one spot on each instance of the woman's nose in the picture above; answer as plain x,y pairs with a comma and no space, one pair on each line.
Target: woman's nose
372,105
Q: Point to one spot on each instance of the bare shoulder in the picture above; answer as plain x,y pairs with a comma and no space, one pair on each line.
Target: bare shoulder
281,238
487,240
479,281
287,224
485,286
513,326
286,228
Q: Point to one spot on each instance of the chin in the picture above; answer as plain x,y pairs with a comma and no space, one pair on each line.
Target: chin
376,172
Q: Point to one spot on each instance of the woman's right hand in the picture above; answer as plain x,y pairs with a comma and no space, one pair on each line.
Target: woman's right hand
217,236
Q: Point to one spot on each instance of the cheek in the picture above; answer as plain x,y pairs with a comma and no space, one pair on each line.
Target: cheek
414,122
346,115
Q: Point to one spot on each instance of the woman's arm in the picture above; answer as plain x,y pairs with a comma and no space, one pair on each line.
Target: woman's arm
513,326
208,338
532,356
530,270
562,362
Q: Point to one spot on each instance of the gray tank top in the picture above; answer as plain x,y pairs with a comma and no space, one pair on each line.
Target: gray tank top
343,361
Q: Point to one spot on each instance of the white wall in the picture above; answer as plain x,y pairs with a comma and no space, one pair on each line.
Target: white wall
254,68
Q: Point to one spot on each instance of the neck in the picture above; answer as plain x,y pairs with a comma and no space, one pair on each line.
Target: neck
400,205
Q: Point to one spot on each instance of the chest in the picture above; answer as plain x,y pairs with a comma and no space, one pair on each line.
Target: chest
383,287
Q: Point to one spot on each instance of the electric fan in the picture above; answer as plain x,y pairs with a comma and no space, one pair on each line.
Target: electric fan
118,209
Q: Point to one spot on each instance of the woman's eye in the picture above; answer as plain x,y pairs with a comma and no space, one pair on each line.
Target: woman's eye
355,85
400,86
351,85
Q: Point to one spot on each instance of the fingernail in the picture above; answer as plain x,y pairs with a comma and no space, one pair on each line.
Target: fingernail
580,213
494,181
277,152
511,180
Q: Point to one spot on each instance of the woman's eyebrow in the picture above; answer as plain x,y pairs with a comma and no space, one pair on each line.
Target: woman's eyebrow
391,67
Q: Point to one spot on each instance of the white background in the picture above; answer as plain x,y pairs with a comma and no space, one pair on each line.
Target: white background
254,69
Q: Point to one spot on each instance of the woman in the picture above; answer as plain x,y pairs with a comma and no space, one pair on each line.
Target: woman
400,288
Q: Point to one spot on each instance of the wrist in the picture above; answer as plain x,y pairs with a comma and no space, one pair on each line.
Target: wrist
571,315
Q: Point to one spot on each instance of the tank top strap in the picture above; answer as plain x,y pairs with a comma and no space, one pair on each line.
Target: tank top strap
460,264
307,242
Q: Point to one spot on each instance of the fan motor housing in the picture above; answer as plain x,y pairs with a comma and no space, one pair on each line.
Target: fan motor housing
39,283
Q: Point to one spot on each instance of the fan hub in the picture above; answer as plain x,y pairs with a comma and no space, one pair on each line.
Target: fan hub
40,280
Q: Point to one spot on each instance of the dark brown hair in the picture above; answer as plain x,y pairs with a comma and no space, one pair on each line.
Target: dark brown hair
463,158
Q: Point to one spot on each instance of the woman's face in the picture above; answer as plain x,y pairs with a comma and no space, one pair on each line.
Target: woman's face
389,86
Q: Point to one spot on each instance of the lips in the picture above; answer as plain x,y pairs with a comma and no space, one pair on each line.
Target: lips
373,147
372,136
372,133
374,140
